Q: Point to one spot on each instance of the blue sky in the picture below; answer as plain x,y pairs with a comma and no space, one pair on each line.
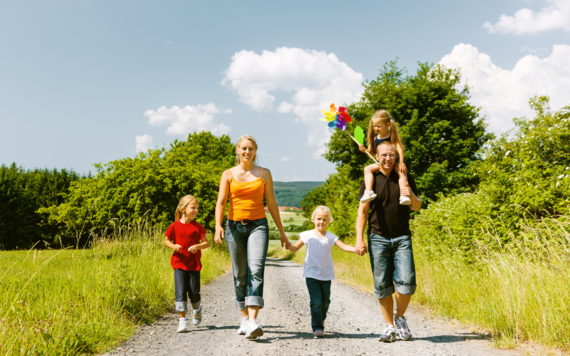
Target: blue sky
80,81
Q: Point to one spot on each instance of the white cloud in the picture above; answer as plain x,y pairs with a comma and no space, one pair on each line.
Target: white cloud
504,94
168,43
144,142
311,79
285,159
555,15
188,119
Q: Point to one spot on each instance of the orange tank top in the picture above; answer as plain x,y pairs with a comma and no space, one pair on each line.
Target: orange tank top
246,199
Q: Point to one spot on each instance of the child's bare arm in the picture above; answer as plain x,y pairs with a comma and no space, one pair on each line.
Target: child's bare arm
200,246
296,246
169,244
345,247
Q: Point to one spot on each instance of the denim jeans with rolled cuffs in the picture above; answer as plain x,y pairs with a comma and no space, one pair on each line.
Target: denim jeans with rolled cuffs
186,286
392,261
248,242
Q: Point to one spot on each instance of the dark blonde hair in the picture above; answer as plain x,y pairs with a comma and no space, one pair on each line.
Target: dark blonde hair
184,201
239,141
385,118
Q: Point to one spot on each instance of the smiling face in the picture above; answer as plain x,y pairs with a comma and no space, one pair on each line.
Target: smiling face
246,151
380,127
386,155
191,210
321,220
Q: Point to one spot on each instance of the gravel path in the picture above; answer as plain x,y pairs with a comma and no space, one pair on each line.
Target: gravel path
352,326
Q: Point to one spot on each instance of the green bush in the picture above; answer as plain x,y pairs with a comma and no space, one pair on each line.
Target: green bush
525,175
147,186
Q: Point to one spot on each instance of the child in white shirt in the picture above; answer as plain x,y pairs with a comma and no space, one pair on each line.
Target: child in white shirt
319,269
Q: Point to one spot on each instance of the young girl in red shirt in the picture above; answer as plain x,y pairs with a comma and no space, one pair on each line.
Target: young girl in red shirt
186,237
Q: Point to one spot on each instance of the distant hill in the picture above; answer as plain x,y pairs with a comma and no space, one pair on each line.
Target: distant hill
291,193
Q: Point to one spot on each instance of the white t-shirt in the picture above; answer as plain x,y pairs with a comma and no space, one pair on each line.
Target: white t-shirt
318,259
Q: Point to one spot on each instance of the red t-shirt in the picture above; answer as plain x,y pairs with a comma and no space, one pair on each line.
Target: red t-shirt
186,235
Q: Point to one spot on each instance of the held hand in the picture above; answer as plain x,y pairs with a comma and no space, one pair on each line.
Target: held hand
362,148
285,241
193,248
219,235
177,247
402,168
360,248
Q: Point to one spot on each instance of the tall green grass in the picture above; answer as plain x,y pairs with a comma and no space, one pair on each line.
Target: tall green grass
75,302
520,291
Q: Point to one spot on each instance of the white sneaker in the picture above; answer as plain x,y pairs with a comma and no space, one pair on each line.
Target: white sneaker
254,330
197,316
367,196
402,328
404,200
388,335
243,327
182,328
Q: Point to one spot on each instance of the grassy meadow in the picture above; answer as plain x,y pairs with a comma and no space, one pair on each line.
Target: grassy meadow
76,302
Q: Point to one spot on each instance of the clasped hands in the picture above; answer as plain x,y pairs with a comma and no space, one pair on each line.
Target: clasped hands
192,248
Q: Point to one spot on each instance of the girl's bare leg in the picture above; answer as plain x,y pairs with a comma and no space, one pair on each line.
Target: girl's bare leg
369,176
369,194
402,181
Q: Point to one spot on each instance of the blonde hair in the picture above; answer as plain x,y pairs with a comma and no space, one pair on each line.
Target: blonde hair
325,209
253,142
182,204
385,118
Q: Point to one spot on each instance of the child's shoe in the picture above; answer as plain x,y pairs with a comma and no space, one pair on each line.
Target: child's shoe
404,200
319,333
243,327
182,328
197,316
254,330
367,196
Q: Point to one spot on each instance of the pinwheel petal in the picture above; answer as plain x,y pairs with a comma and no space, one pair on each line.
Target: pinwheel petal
333,108
341,109
345,116
324,119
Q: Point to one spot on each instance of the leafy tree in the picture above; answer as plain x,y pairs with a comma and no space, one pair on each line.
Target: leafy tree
148,186
440,130
22,193
525,174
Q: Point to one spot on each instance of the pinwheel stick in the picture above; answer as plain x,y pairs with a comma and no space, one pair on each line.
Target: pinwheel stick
358,143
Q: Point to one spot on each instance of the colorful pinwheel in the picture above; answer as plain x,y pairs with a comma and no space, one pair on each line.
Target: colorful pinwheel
336,119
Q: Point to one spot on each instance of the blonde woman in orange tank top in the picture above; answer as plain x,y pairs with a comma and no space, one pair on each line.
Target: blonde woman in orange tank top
247,232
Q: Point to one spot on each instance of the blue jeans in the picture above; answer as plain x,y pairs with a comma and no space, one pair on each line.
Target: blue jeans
186,286
320,294
392,262
248,249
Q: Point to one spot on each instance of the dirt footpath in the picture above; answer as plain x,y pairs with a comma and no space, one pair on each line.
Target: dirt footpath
352,327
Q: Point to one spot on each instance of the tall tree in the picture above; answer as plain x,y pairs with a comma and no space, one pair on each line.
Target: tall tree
440,130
